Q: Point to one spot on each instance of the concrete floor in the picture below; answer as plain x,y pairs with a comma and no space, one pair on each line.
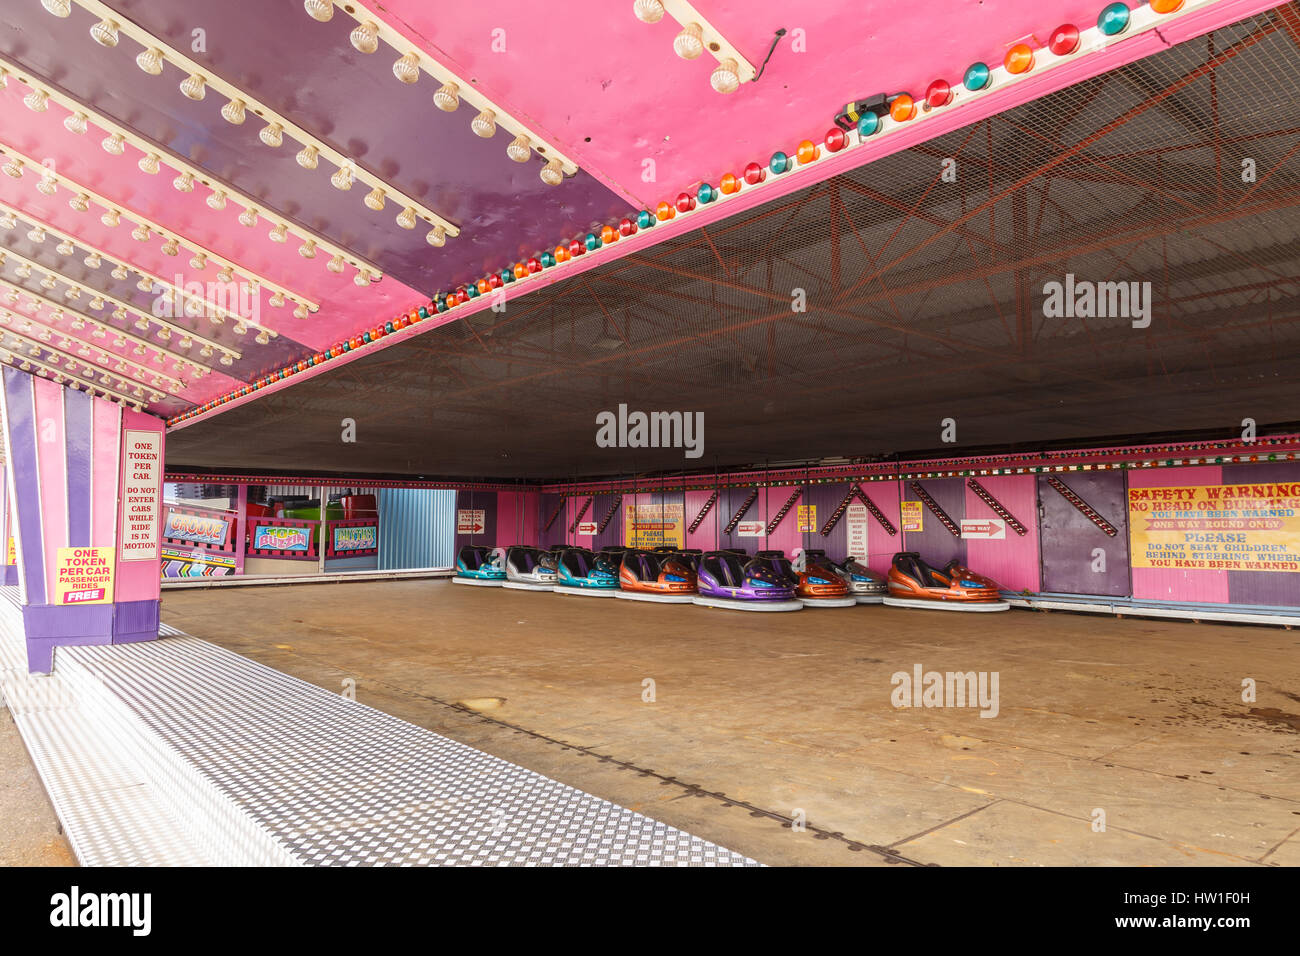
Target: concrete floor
761,719
29,833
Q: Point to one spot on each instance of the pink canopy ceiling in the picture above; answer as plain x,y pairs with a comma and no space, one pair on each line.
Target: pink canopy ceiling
587,79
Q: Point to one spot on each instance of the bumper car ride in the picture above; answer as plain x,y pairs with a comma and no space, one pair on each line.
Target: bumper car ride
483,567
817,584
658,576
733,581
913,583
582,571
530,569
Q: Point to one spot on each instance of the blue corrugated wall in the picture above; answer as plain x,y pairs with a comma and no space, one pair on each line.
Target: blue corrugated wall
416,527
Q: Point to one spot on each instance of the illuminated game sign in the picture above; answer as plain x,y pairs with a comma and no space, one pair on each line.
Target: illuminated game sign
195,529
348,540
275,538
912,515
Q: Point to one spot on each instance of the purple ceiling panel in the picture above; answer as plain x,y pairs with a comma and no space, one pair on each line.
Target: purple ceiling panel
349,100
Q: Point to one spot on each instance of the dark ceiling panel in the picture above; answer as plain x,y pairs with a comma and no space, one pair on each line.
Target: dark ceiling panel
925,302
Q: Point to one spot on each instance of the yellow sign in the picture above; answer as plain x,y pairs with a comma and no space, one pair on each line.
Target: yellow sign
12,557
1216,527
84,576
807,519
654,526
912,515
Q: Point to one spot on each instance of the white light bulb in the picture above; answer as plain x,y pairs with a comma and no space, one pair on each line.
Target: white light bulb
690,42
119,272
407,218
48,185
75,123
279,233
307,157
198,261
407,69
184,183
365,38
149,163
277,300
60,8
272,135
104,33
300,312
66,248
93,261
342,178
485,124
171,247
319,10
437,236
308,249
194,87
725,77
447,97
150,60
14,168
216,200
335,265
111,217
141,233
233,112
648,11
114,144
37,101
520,149
248,217
80,202
553,173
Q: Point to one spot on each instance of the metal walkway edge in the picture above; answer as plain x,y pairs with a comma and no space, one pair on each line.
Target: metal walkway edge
178,751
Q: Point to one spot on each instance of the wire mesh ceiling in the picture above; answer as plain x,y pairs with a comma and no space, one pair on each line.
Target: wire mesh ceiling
927,277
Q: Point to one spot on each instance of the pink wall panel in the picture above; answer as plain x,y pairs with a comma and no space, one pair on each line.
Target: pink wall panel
139,580
882,547
1152,584
1011,561
52,468
508,519
785,537
106,425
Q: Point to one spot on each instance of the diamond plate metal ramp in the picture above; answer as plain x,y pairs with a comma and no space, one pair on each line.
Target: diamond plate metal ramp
92,771
265,768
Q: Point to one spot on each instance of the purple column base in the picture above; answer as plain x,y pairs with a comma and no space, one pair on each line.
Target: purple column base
135,621
49,626
10,576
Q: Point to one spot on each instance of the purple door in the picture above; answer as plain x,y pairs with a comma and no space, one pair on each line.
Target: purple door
1078,556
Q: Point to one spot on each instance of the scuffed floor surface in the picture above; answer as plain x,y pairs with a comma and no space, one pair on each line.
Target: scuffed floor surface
29,831
1115,742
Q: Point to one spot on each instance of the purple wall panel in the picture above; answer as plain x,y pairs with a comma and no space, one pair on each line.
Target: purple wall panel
728,502
1277,588
827,499
558,532
1068,538
20,420
613,533
77,411
935,544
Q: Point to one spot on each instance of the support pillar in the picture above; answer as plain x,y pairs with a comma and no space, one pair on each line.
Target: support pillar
84,481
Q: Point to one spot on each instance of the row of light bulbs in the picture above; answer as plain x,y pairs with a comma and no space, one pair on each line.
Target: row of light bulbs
111,217
365,39
192,306
121,312
194,87
689,45
48,361
85,352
